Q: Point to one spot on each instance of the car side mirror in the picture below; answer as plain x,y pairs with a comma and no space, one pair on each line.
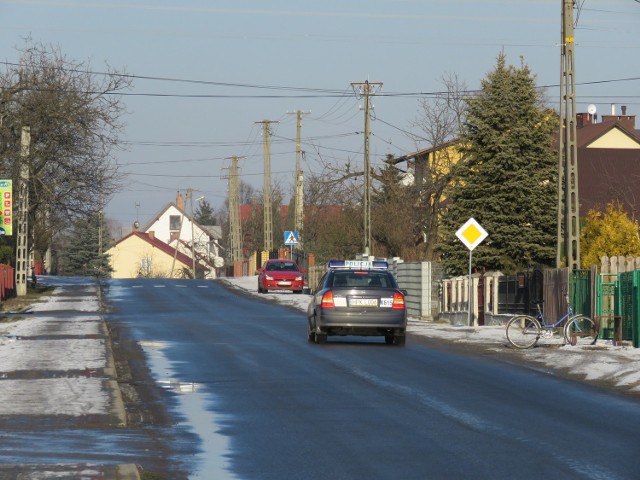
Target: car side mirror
259,270
404,292
303,271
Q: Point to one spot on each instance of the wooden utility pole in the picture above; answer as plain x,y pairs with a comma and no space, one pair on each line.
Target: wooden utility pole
365,90
568,198
22,250
266,189
235,227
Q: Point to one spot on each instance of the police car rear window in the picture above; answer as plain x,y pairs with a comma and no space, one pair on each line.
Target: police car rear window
361,279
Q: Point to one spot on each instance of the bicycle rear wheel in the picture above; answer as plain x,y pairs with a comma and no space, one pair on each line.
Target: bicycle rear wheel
523,331
580,330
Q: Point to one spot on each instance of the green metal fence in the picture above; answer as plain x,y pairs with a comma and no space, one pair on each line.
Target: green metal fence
606,287
618,295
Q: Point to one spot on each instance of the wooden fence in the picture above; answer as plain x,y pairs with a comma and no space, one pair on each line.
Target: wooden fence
7,282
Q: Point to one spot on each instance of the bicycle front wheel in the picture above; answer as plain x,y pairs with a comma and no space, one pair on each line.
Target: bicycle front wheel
523,331
580,331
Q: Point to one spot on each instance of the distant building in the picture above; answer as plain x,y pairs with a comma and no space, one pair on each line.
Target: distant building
608,162
179,230
142,255
172,244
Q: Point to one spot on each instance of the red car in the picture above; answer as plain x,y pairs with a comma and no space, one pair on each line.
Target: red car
280,275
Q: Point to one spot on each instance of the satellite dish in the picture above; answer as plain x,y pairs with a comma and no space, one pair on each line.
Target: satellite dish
591,109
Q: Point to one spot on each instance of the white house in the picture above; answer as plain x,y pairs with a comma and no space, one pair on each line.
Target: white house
178,229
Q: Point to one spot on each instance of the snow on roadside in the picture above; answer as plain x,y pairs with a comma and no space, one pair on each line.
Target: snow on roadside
603,361
52,355
31,326
54,396
29,344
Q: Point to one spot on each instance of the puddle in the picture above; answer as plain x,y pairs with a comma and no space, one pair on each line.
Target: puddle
194,406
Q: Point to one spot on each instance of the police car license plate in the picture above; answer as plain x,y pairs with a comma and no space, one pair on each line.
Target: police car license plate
363,302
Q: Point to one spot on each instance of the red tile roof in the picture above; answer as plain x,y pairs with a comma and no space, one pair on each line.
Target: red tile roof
606,175
588,134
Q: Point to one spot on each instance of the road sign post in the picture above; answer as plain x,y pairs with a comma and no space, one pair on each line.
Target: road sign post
471,234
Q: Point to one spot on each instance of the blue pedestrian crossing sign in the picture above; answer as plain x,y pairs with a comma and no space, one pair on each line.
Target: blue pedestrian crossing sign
291,238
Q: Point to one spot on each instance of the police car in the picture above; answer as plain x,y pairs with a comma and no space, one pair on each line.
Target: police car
358,298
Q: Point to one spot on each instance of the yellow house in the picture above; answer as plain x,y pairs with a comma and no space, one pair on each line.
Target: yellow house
142,255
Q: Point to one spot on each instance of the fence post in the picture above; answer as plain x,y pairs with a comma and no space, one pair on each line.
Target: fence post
475,308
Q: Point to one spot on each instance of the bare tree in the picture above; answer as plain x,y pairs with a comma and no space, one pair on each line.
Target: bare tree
396,220
75,119
439,122
406,206
333,211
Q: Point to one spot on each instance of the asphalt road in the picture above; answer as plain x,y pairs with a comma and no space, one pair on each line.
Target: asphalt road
260,402
235,391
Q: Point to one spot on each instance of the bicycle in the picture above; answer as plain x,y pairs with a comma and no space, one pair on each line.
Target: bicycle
524,331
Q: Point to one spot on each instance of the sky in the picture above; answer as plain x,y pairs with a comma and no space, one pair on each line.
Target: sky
206,73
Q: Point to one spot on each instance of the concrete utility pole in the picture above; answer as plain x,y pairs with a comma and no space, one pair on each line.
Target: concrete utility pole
568,154
266,189
23,215
235,227
365,90
299,183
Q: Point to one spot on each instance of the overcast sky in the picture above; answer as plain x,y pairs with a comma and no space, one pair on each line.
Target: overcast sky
208,71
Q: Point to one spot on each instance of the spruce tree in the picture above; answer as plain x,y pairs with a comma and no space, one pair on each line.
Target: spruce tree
508,180
82,253
205,215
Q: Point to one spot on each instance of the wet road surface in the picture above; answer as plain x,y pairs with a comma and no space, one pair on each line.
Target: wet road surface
266,404
221,385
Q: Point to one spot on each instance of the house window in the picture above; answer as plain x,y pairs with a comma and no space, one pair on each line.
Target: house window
145,267
174,222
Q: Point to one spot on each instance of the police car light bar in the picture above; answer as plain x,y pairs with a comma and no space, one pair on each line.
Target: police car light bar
359,264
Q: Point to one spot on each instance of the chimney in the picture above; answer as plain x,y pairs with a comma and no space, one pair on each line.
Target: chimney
179,201
152,234
624,110
583,119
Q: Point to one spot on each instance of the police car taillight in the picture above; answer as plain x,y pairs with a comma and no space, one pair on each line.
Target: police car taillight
398,301
327,300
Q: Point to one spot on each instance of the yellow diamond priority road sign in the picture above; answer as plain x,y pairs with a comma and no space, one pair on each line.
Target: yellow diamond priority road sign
471,234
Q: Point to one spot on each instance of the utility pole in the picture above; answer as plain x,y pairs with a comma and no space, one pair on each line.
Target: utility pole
299,182
568,198
365,90
235,227
193,238
266,189
23,214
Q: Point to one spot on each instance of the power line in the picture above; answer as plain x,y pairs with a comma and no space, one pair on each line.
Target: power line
310,92
202,176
